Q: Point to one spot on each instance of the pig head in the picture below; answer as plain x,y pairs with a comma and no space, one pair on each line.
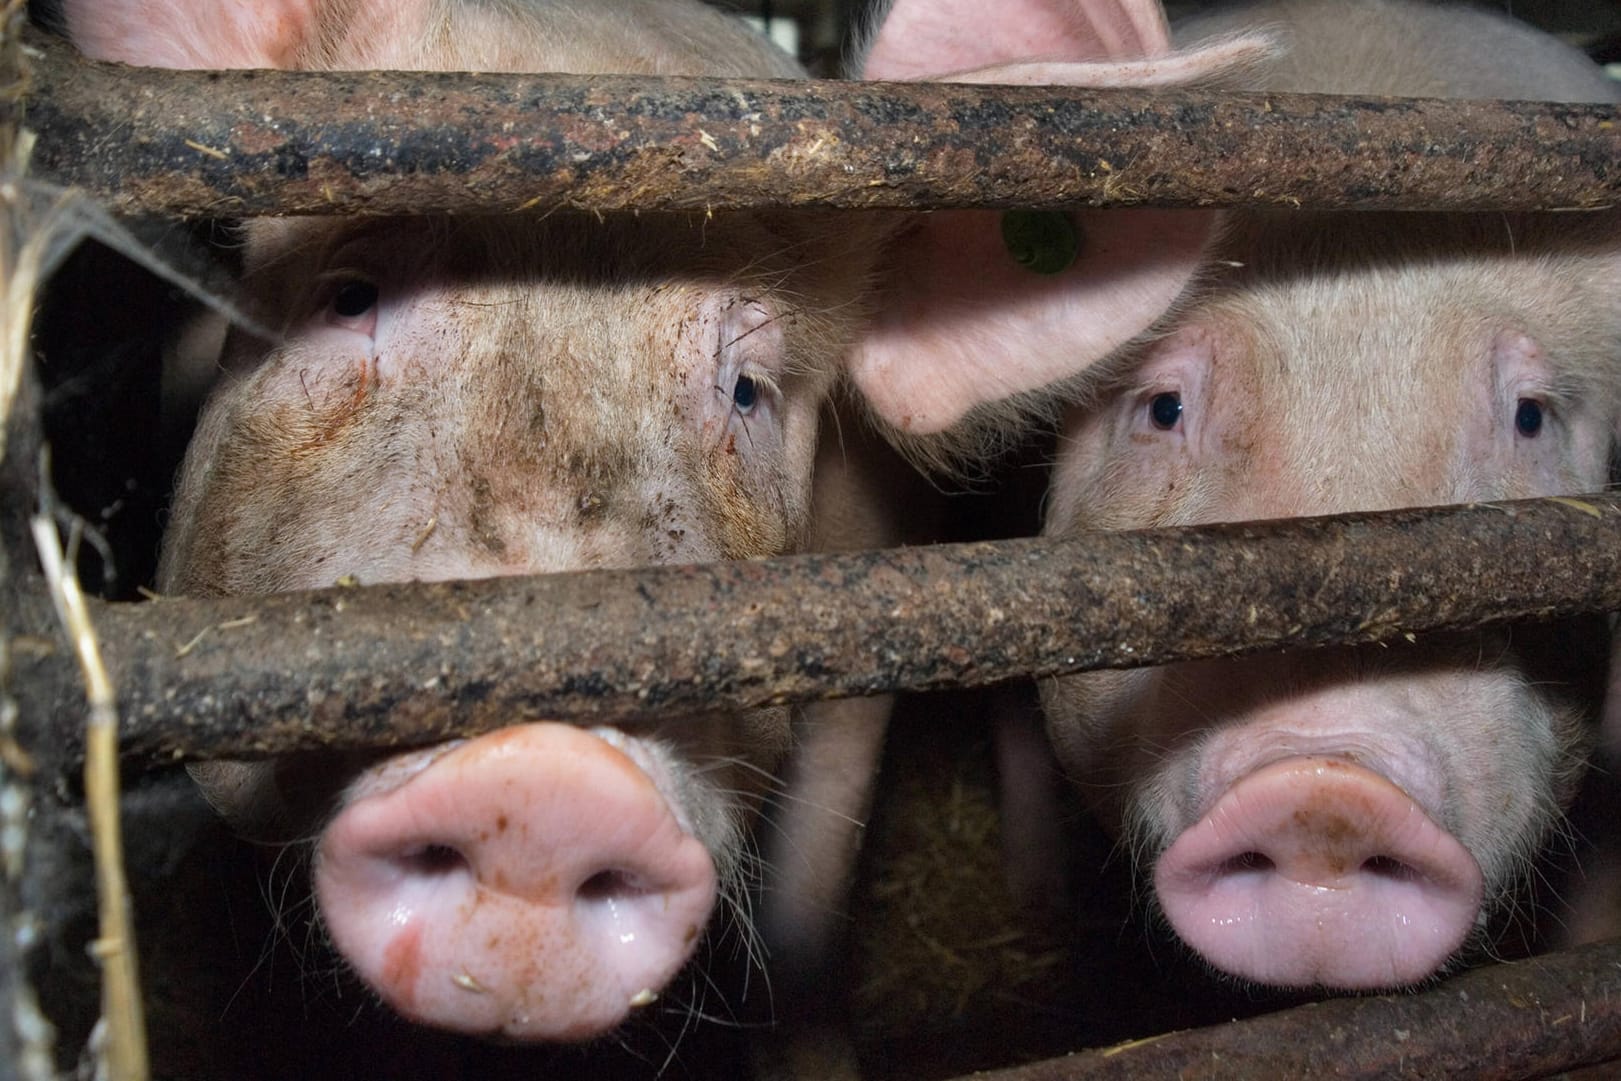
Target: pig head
452,398
1347,817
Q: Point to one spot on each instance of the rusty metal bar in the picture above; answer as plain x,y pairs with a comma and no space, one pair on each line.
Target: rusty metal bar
401,664
1506,1022
228,144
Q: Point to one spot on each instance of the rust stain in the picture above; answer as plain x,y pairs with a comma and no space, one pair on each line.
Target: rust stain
402,965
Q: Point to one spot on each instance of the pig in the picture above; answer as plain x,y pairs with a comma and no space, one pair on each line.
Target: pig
465,397
864,501
1349,818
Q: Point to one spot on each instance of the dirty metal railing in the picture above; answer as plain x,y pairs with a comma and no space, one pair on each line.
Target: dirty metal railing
1528,1019
398,664
402,664
228,144
409,663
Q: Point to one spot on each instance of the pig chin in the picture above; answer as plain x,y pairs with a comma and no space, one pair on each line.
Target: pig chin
1335,820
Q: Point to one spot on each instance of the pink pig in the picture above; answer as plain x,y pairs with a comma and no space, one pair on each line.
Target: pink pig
455,398
1346,817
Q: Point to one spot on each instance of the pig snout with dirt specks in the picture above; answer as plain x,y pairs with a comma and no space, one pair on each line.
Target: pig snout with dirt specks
1347,817
466,397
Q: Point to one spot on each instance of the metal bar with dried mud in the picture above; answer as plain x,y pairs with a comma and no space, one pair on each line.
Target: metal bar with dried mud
400,664
232,144
1531,1018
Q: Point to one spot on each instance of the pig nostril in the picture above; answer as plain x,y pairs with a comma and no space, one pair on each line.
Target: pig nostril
432,860
1389,867
1246,863
610,884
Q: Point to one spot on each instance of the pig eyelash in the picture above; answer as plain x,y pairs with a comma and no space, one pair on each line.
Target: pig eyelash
754,385
1556,398
760,383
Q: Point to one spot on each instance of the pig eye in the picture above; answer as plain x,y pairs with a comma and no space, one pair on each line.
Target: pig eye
1528,417
354,299
751,391
1165,409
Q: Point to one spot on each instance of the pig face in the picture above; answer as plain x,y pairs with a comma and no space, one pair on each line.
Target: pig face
415,422
464,399
1336,818
458,398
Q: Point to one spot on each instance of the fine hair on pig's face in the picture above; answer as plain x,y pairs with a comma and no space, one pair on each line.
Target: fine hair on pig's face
1336,363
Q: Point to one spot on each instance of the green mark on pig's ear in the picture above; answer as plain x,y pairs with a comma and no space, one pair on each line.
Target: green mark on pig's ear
1043,241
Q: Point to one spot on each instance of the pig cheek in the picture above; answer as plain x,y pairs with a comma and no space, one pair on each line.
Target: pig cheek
279,800
275,484
802,414
735,753
747,512
1083,440
1522,755
756,742
1096,724
737,472
747,493
1114,473
242,793
1571,454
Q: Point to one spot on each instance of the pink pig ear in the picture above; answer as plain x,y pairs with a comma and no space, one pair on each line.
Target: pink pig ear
937,38
960,322
193,33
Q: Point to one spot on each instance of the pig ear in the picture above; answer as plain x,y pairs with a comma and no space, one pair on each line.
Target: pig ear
1225,60
193,33
961,321
934,38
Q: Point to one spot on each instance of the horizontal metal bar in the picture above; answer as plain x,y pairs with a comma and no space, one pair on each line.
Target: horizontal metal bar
228,144
414,663
1530,1018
